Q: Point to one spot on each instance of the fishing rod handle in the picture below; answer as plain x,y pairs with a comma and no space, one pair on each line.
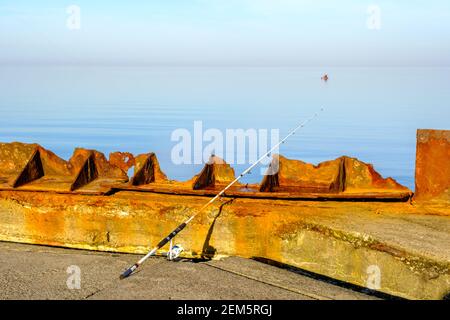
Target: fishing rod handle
129,271
171,235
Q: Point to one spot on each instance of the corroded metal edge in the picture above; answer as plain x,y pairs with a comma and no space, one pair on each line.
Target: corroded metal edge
89,172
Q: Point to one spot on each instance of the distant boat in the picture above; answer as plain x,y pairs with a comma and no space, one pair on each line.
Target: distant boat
324,77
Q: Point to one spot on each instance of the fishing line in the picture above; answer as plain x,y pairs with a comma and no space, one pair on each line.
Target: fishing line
178,229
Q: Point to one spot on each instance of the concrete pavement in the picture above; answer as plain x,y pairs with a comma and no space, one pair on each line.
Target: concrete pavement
39,272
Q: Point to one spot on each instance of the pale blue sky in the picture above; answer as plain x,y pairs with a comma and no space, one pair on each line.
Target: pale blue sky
227,32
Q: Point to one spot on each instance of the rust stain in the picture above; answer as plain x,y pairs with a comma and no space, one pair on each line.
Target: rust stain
433,165
107,211
122,160
44,227
39,169
32,167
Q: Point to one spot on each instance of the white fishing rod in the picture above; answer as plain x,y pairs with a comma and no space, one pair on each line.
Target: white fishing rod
130,270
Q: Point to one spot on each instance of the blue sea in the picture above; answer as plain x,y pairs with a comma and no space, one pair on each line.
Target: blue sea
369,113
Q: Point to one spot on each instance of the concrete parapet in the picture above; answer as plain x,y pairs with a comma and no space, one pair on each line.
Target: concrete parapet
395,248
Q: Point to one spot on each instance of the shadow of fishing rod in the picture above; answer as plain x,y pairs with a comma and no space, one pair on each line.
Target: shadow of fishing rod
209,251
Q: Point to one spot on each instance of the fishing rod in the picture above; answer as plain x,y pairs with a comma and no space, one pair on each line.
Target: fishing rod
130,270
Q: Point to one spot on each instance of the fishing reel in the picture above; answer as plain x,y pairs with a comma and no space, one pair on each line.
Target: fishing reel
174,252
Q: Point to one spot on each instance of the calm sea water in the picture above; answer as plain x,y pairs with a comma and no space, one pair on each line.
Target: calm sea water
371,114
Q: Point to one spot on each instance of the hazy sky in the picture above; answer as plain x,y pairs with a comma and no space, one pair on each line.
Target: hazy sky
228,32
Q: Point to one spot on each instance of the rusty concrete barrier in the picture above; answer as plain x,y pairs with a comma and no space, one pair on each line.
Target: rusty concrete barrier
290,175
358,221
14,164
147,170
32,167
345,241
216,174
433,166
342,175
